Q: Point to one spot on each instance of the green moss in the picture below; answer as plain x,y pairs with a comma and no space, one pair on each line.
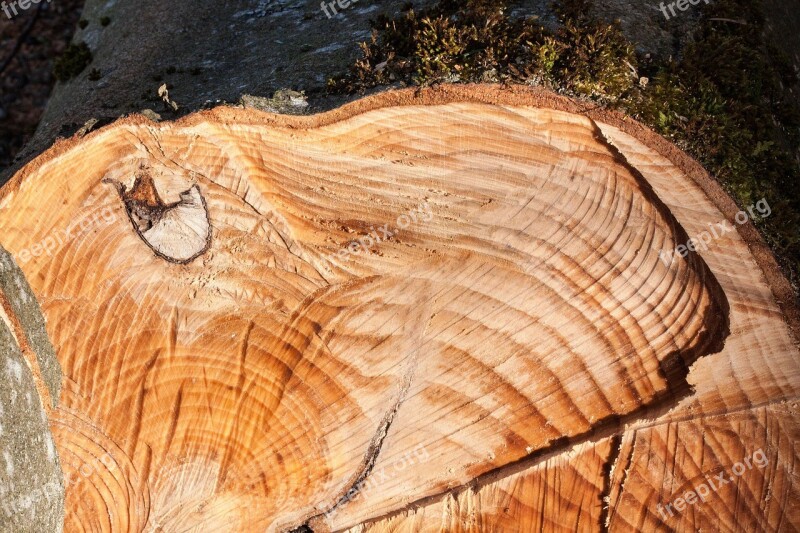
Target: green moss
477,41
83,23
105,21
72,62
725,102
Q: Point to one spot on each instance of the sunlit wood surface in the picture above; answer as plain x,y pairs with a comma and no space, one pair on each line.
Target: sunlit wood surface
445,311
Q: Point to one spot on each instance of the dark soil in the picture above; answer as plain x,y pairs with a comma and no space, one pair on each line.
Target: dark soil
29,45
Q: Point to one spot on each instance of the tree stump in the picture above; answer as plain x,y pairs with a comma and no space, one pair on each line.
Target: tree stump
467,308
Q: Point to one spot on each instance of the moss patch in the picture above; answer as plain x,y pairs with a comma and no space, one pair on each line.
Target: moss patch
727,105
72,62
725,102
477,42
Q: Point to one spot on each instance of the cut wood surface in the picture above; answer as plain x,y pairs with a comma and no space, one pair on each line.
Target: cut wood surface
456,309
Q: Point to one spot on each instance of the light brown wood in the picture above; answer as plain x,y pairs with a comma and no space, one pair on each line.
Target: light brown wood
570,487
412,313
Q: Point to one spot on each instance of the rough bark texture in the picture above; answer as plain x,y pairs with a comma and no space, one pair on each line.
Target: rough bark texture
31,486
215,52
20,304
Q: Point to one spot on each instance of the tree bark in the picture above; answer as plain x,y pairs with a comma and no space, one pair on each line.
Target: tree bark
31,488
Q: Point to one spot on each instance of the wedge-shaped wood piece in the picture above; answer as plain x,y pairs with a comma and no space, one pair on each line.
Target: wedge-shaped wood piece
735,472
396,296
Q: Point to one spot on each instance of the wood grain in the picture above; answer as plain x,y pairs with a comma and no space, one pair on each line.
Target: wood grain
254,379
569,487
757,370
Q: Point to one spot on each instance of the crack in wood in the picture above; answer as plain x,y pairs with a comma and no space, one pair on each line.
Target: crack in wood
376,444
608,473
